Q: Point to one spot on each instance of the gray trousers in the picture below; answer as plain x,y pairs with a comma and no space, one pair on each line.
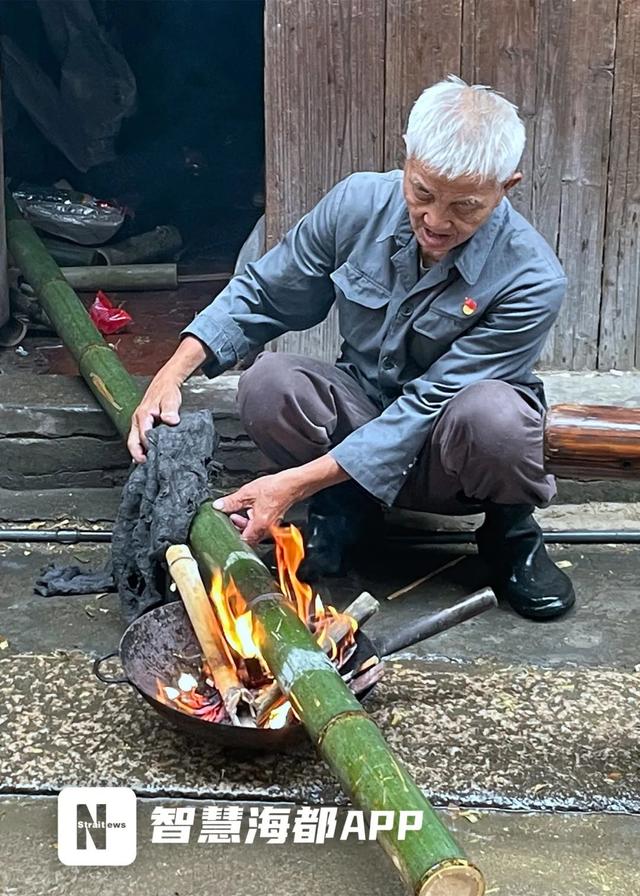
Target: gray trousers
486,444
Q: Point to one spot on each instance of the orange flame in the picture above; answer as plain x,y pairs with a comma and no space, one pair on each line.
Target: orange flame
333,631
235,619
289,556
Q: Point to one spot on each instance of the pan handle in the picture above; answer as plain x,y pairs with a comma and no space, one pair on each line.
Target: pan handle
435,623
101,676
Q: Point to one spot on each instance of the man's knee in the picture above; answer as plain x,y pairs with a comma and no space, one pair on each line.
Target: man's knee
263,387
491,417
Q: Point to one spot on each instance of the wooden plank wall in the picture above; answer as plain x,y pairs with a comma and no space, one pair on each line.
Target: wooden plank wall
341,76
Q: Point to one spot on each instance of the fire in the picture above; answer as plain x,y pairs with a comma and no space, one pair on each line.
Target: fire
333,631
235,619
188,698
289,556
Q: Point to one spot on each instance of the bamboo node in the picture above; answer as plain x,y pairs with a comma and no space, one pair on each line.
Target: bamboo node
348,713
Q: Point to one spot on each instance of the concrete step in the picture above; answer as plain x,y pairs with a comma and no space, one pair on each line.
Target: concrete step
54,435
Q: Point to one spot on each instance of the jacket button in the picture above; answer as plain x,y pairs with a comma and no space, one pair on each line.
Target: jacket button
388,363
406,311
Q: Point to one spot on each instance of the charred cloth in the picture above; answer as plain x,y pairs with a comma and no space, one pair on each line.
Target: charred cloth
159,501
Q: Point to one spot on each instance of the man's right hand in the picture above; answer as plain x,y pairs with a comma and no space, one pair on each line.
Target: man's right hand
162,400
160,404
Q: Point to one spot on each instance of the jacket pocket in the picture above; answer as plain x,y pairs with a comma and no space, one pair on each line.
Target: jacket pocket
362,305
358,287
440,326
432,335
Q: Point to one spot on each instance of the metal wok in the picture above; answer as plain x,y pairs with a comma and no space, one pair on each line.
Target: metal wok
160,644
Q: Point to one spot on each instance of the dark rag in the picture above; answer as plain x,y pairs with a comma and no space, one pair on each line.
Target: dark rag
158,504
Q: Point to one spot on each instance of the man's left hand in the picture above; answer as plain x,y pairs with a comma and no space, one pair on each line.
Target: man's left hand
266,499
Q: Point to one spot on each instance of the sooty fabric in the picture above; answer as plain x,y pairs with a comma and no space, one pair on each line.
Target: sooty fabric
158,503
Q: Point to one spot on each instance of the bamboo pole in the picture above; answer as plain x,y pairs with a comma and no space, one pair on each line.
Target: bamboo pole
183,569
101,368
125,277
135,277
429,859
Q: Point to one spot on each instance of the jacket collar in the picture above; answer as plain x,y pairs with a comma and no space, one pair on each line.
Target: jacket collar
469,258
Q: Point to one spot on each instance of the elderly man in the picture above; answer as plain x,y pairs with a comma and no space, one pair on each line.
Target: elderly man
445,296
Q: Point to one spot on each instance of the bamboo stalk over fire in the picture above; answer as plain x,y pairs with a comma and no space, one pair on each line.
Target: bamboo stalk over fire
428,858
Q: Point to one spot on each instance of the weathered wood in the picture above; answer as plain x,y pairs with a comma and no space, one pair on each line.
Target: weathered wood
324,83
422,47
555,58
592,442
500,49
620,311
183,569
577,43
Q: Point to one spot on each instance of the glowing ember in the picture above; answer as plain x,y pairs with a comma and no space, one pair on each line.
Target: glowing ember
197,700
187,682
333,631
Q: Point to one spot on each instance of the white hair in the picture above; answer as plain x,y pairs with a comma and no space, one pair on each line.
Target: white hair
458,129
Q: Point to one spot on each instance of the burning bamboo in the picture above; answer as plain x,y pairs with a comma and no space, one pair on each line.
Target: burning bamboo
429,859
184,571
359,610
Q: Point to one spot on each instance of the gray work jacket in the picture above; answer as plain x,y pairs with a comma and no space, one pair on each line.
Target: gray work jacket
412,341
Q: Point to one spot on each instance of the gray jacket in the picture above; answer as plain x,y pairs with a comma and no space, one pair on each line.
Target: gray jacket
411,341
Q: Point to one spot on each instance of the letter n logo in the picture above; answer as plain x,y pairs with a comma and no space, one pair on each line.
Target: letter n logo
94,827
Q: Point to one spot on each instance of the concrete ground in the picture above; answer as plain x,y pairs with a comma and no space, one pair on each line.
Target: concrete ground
529,731
520,853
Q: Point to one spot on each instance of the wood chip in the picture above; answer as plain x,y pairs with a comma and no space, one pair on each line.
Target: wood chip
564,564
471,817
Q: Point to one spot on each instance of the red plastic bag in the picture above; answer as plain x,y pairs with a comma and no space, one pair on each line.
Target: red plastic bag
106,316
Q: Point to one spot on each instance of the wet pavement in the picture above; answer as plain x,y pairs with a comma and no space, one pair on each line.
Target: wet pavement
498,714
601,631
479,734
143,347
521,855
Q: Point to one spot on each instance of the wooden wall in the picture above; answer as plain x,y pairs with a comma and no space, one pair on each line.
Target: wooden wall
341,76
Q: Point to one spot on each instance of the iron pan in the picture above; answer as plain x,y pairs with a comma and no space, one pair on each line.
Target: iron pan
147,652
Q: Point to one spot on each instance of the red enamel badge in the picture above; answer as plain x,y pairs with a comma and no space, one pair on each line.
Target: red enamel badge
469,305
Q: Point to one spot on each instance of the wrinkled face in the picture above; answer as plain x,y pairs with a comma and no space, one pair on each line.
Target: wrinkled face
445,213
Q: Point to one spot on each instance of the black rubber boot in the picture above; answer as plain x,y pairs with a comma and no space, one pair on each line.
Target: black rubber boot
339,518
511,543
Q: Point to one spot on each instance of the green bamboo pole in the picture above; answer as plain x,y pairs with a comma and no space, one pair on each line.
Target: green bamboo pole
429,859
126,277
111,384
